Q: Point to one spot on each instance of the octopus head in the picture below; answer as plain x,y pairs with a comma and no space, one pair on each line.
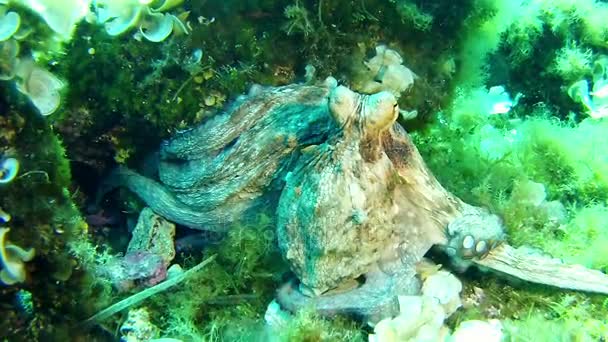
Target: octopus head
372,113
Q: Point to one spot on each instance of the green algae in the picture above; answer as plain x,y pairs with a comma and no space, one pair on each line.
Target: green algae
125,96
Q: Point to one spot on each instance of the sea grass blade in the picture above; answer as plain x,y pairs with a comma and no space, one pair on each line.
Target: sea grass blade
140,296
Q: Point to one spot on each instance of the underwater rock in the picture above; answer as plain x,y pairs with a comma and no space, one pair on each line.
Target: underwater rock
139,268
385,72
153,234
276,318
475,330
421,318
137,327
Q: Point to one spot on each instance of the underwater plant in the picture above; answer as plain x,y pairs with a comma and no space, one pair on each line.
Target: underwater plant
494,123
61,16
410,13
9,23
119,16
12,259
596,99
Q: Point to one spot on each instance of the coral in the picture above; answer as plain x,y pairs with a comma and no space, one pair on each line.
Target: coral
478,330
538,148
527,208
566,19
444,287
585,14
45,218
421,318
137,327
523,34
539,328
472,107
384,71
153,234
557,184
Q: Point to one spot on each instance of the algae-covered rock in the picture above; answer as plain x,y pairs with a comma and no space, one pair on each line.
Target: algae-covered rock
137,327
153,234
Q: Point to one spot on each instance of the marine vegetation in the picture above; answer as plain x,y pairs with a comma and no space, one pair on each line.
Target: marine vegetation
303,170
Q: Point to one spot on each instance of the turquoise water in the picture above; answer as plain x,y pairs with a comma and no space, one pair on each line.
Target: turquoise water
279,170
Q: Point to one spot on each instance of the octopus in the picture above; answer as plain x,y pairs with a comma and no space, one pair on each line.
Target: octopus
355,206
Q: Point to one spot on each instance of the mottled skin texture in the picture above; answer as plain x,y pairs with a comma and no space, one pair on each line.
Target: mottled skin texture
356,200
364,204
348,205
220,172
